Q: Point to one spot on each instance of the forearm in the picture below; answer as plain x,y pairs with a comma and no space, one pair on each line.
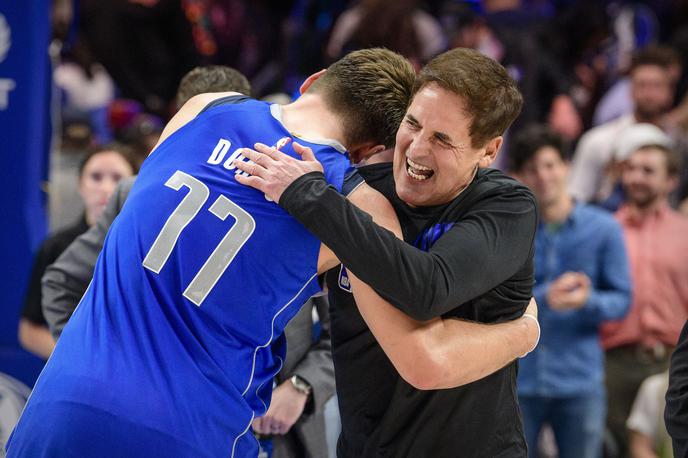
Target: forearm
463,264
441,353
317,367
641,446
36,338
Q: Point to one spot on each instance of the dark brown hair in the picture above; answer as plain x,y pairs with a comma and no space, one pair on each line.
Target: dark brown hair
211,78
119,148
490,95
671,157
529,141
660,56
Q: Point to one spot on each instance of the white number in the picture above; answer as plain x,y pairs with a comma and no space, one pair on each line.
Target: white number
188,208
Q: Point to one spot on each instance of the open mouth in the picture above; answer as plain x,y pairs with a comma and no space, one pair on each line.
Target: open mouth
418,172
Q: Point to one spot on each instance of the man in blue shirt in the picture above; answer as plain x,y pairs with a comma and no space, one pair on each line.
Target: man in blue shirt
582,279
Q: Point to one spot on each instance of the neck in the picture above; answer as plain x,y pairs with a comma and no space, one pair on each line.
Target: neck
648,119
557,211
310,117
641,212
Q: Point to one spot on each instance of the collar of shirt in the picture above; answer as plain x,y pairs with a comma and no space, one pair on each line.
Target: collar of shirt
626,216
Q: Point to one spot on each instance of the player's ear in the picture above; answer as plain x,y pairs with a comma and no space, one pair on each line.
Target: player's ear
364,151
310,80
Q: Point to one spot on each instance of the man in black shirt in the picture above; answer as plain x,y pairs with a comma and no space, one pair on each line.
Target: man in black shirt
475,228
676,410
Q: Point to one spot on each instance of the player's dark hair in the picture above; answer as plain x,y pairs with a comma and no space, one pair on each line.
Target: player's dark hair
211,78
370,90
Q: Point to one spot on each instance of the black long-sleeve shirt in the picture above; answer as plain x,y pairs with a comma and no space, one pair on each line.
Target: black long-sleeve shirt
485,250
676,411
477,265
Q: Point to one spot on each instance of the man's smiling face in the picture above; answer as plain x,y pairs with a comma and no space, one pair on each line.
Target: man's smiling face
434,159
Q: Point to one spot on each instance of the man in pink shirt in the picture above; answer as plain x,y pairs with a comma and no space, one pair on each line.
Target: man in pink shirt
657,243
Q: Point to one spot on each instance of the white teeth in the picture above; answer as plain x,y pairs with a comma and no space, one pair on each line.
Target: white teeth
418,166
412,168
415,176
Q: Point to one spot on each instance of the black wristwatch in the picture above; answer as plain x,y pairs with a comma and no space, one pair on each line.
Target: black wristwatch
301,385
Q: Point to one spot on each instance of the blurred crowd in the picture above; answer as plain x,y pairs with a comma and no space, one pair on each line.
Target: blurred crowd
602,142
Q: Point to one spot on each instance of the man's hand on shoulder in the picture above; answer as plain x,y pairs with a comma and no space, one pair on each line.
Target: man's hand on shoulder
271,171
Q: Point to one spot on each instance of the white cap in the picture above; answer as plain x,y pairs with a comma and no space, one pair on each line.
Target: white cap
638,135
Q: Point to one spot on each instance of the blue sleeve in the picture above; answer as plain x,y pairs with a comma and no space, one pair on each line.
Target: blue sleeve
611,299
352,179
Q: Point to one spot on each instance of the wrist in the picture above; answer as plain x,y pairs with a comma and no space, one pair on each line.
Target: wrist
301,386
532,333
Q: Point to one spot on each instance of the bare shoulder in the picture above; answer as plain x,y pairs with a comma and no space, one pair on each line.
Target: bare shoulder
373,202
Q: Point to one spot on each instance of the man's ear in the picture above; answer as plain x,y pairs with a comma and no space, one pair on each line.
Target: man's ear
364,151
310,80
491,150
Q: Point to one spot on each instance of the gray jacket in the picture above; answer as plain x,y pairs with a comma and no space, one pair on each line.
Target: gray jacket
65,282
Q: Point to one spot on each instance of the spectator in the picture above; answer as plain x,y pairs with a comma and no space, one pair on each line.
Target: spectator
629,139
648,437
582,279
652,91
98,175
640,345
395,24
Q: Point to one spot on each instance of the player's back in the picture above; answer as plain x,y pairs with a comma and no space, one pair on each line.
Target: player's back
179,333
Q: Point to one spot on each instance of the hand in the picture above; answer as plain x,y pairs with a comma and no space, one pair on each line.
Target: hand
271,171
569,292
285,409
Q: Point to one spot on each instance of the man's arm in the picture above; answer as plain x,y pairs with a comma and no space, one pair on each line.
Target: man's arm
440,353
488,246
65,281
676,411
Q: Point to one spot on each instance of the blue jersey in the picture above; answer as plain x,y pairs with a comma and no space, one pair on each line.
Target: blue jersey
173,348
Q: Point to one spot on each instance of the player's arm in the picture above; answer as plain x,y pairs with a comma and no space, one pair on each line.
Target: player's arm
440,353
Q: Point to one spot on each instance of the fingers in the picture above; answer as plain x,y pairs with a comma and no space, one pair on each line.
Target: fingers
253,181
305,152
269,425
258,426
258,157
